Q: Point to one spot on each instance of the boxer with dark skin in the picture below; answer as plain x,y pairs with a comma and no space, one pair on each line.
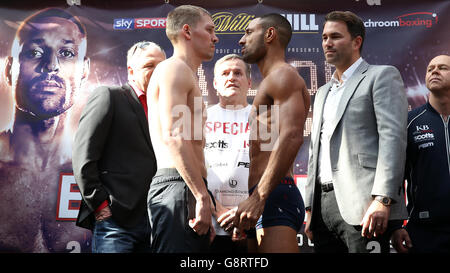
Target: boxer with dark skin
280,107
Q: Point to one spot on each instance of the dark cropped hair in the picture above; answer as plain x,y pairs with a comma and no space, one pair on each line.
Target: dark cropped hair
281,24
51,12
354,24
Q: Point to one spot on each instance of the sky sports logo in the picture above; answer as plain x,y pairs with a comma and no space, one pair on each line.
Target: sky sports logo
139,23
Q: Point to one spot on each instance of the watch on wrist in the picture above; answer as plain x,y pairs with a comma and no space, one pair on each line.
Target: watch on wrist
384,200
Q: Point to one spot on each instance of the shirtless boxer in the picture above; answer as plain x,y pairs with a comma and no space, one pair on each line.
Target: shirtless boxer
275,205
179,204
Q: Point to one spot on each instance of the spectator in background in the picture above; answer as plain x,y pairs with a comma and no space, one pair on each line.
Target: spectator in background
428,167
227,149
113,158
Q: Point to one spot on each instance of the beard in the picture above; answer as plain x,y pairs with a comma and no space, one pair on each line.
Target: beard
255,54
31,99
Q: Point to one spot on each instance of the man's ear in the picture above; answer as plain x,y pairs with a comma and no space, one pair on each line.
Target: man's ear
357,42
214,83
186,30
86,68
7,72
270,34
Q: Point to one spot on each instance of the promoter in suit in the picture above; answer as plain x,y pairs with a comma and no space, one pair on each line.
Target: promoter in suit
113,158
358,143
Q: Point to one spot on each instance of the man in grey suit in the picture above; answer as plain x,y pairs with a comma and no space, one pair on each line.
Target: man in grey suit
113,159
357,151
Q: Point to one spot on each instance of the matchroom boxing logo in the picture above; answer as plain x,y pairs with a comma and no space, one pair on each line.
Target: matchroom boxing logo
415,19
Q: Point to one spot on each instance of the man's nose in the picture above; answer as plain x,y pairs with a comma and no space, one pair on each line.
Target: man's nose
231,76
50,64
215,39
327,42
242,41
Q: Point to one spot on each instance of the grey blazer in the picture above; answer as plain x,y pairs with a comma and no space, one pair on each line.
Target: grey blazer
113,157
368,143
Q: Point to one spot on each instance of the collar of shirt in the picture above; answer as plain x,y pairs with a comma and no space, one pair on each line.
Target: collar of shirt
136,89
347,73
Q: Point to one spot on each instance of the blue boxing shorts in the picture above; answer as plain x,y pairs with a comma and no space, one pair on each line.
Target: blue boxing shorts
284,207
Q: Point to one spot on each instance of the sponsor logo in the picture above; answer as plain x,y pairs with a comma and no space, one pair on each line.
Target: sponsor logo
229,23
124,23
245,164
424,137
426,19
217,144
422,128
139,23
233,183
426,145
302,22
231,128
415,19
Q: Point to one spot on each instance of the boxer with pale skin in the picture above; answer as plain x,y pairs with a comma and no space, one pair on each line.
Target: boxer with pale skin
176,122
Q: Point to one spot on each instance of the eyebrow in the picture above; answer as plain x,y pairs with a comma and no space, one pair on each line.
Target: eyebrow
40,41
332,33
438,65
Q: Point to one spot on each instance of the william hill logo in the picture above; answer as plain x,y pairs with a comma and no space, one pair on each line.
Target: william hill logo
229,23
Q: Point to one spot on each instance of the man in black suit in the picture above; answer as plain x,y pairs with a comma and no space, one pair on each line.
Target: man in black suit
113,159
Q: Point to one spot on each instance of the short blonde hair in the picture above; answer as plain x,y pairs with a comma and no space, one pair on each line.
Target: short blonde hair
185,14
233,57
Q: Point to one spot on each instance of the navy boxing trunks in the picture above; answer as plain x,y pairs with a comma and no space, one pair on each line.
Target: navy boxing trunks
284,207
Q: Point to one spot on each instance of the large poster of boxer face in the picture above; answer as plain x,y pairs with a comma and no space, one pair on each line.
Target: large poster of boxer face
52,58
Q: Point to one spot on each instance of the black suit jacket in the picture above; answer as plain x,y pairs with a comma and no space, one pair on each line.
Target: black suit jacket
113,157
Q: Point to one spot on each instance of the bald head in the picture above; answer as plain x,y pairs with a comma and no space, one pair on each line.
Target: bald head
437,77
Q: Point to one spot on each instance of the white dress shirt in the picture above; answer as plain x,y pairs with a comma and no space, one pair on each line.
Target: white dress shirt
329,112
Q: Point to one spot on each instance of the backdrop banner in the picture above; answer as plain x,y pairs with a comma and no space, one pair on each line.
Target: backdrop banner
39,198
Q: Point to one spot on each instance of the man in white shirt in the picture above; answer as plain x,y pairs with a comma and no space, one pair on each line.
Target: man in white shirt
356,158
227,149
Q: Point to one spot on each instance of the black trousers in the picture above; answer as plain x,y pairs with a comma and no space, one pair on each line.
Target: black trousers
224,244
170,206
333,235
429,237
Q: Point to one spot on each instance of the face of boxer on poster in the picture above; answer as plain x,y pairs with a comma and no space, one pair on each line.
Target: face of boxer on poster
252,43
47,67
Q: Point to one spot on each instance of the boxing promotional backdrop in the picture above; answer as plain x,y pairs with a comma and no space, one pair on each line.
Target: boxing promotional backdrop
39,198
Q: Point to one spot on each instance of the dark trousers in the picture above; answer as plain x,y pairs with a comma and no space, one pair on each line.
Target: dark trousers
170,206
109,237
333,235
429,238
224,244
